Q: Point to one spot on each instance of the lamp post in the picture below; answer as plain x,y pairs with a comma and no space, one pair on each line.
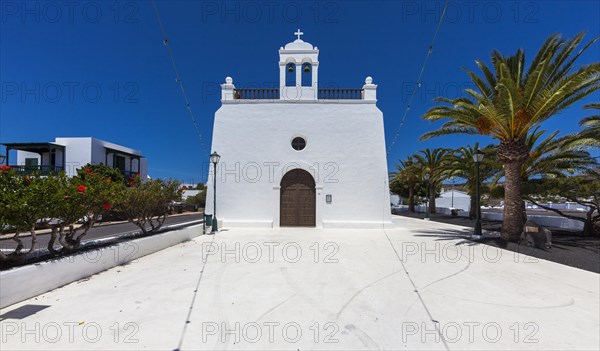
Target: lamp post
214,159
426,196
452,204
477,157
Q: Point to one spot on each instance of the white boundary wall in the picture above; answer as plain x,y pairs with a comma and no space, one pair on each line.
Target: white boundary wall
546,221
25,282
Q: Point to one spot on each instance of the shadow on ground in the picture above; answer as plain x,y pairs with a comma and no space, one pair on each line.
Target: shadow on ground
568,247
23,312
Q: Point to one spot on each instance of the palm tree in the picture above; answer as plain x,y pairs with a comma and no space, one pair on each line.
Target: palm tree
589,137
462,165
550,157
510,101
553,157
433,162
408,174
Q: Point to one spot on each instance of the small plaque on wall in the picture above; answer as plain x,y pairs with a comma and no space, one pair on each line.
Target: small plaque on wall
328,199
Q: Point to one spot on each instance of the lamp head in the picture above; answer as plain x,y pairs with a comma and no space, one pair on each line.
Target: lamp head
215,157
478,156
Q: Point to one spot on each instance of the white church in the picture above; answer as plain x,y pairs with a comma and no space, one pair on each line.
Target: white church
300,155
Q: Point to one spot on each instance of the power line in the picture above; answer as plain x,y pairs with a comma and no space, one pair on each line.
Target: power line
178,78
418,83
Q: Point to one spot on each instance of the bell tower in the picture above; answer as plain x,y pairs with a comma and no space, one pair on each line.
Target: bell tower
298,70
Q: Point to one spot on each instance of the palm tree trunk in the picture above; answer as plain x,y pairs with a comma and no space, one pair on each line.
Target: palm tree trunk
512,224
411,197
472,213
431,199
512,154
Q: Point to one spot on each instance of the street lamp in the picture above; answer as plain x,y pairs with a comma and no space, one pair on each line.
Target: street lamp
426,196
478,158
214,159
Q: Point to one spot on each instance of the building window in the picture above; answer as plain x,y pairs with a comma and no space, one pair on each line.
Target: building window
298,143
290,75
306,74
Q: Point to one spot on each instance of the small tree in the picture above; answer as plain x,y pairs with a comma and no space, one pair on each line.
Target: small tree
435,164
412,194
198,199
25,203
147,204
405,180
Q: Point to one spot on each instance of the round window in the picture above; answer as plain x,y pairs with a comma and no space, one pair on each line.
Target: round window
298,143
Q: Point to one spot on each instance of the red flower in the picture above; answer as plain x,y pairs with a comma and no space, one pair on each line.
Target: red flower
5,168
81,188
106,207
131,182
184,187
108,180
87,170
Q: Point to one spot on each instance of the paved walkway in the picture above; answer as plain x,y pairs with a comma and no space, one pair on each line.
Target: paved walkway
417,287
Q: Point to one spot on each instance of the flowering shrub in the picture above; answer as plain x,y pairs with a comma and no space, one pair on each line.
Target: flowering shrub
105,172
85,197
70,207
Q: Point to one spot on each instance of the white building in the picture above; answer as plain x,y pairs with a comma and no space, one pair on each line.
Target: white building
454,199
395,199
69,154
189,193
300,155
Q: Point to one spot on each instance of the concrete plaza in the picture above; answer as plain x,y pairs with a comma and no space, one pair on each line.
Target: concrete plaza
420,286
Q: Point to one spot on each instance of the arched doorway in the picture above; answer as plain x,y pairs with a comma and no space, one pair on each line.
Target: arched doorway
297,199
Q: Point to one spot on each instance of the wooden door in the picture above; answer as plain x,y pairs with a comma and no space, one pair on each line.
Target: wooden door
297,199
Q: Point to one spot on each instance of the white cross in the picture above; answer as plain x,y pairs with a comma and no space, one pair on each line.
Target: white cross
299,33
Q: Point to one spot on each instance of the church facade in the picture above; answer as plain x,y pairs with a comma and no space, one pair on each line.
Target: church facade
300,155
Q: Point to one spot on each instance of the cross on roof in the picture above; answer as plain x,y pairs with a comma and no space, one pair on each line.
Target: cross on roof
299,33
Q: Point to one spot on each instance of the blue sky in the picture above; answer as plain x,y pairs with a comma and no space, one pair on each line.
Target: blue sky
99,68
